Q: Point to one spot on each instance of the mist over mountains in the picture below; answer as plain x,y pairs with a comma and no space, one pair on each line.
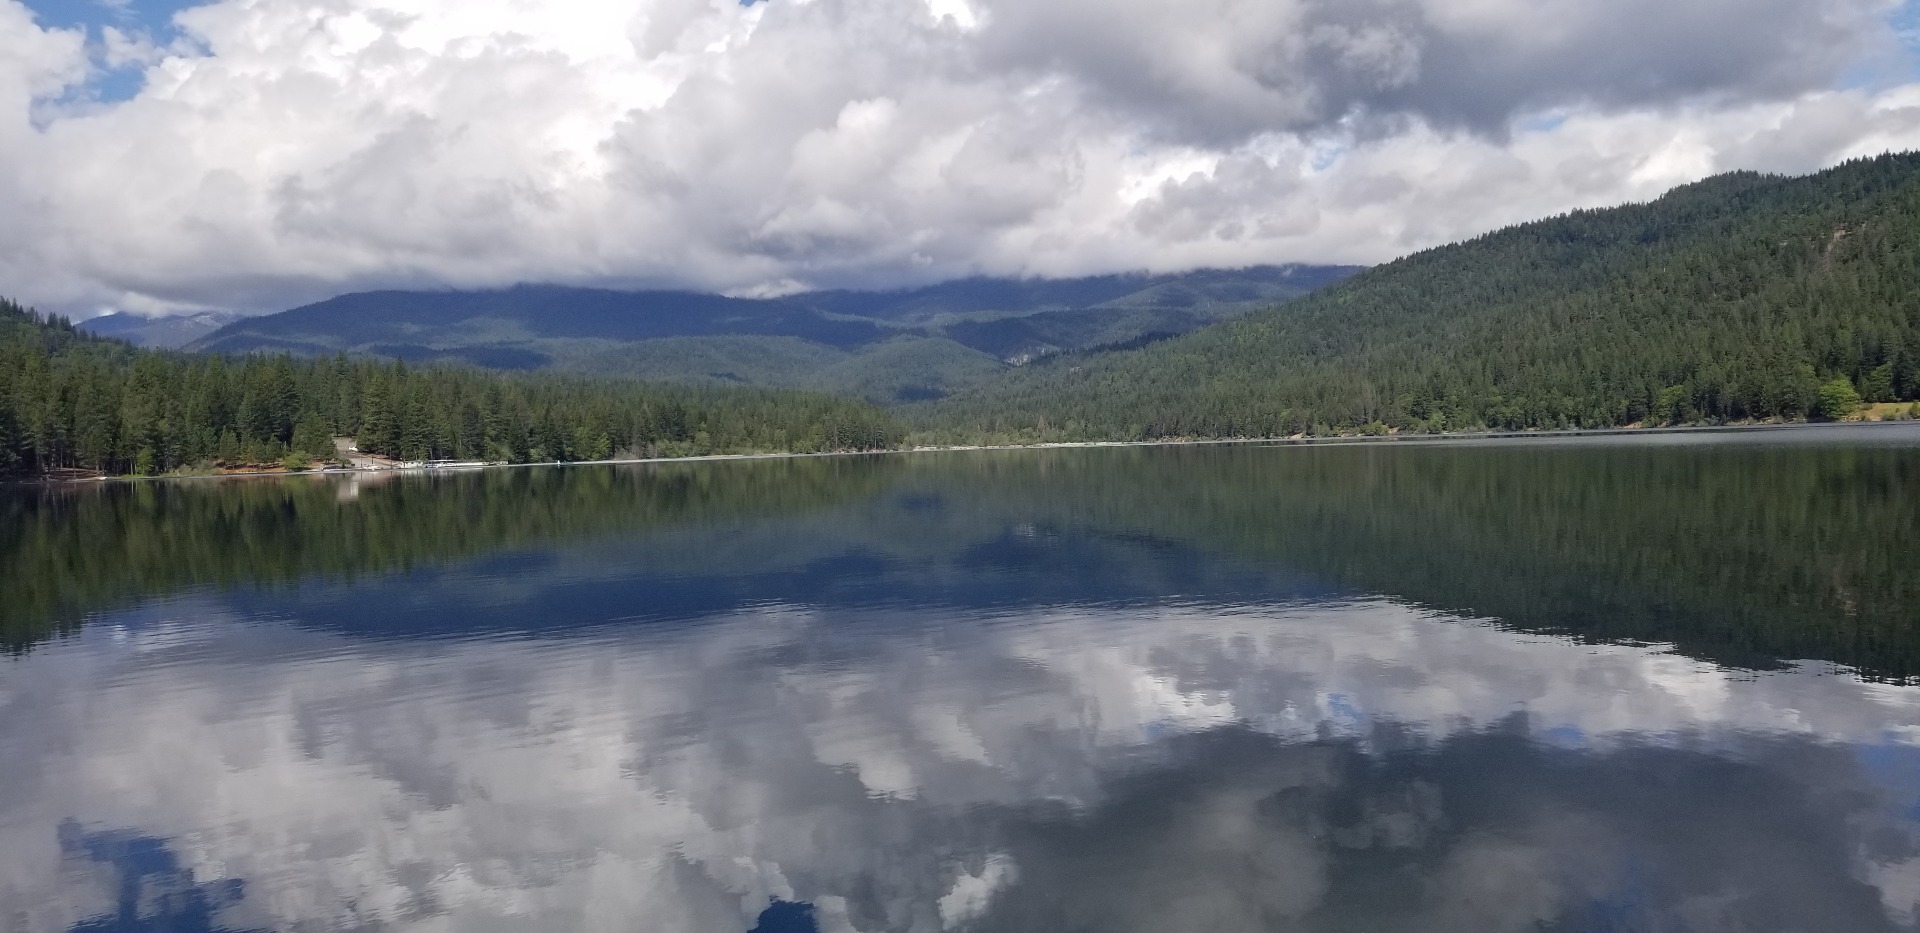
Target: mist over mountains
159,333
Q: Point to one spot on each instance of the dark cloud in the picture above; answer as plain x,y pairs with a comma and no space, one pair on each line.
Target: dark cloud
1217,73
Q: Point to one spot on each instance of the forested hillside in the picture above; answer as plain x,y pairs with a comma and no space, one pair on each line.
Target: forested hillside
72,401
1208,293
1744,296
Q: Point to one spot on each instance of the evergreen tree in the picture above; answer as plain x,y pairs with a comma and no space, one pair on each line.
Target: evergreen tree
68,400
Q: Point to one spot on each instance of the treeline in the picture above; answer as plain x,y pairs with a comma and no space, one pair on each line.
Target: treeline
1741,297
70,401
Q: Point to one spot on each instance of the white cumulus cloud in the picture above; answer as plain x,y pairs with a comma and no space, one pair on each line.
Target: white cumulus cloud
284,150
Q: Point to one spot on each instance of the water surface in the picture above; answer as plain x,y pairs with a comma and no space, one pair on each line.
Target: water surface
1650,683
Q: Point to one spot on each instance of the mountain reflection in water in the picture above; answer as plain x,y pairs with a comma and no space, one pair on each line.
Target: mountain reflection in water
1105,690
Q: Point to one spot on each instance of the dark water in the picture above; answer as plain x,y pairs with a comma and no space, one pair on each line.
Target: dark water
1657,684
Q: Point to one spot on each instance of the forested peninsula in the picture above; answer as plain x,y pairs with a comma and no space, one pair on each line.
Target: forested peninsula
70,401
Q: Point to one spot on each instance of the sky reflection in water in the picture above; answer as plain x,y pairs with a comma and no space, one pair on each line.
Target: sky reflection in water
797,721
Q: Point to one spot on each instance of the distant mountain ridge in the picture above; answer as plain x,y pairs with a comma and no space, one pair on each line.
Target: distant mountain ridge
1198,289
159,333
902,345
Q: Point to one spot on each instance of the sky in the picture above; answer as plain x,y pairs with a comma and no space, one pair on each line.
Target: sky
252,155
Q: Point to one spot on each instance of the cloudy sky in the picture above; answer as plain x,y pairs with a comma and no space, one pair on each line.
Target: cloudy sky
159,155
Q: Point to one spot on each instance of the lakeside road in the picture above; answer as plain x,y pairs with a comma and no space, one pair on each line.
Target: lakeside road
367,465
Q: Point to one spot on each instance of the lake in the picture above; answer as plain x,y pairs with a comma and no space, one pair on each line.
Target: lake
1658,682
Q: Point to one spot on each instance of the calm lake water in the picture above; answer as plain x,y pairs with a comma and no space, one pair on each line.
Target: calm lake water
1656,683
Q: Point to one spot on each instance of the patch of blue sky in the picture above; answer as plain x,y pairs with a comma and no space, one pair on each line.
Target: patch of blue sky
153,17
1906,24
1341,709
1904,21
1894,766
1541,123
151,20
1326,156
1567,736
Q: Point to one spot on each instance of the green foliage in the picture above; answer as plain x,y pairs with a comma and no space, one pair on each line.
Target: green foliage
312,439
903,368
1838,399
72,401
735,359
907,369
1732,299
1877,386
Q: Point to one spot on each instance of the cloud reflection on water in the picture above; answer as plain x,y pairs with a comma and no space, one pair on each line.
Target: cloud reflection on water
1281,765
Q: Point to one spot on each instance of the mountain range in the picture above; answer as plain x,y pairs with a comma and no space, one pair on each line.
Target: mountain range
892,346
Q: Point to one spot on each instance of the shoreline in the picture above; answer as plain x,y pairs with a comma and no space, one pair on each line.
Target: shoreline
1295,441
